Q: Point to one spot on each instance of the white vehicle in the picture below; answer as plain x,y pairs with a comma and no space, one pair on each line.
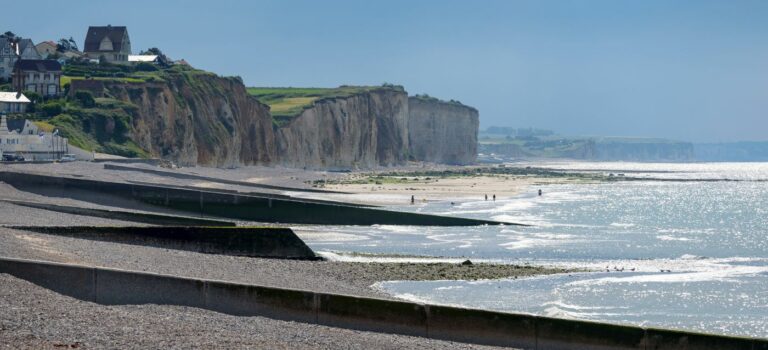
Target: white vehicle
69,157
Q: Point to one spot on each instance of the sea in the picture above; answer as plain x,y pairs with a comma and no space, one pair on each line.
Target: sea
685,247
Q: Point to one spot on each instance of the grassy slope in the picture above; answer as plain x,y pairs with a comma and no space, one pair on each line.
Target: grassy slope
287,103
105,127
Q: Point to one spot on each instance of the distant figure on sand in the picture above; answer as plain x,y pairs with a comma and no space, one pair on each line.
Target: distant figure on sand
486,197
494,197
539,192
413,200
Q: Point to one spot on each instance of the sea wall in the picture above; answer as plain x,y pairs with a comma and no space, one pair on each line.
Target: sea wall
220,204
119,287
442,132
255,242
362,131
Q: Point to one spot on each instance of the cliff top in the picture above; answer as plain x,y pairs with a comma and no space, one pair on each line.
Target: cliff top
285,103
427,98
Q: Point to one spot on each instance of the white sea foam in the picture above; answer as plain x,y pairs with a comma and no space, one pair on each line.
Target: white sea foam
672,238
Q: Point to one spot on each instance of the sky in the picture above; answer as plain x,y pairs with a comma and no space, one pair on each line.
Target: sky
687,70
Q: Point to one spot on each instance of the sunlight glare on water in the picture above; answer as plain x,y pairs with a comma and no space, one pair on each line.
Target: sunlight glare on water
708,238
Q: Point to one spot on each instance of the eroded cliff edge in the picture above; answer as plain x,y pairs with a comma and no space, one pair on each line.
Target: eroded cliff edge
192,117
441,131
196,118
365,130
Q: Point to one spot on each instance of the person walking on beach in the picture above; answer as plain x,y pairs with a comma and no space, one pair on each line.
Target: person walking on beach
486,197
539,192
413,199
494,197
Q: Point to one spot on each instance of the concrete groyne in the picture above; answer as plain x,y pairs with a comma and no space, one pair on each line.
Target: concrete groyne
212,203
185,176
118,287
147,218
257,242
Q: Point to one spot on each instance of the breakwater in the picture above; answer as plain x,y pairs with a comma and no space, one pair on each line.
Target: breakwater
257,242
225,205
147,218
119,287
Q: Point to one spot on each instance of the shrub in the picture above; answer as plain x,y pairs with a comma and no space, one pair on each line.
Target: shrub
85,98
145,67
52,108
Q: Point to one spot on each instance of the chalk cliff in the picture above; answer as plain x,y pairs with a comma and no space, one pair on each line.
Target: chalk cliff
442,132
362,131
198,118
193,117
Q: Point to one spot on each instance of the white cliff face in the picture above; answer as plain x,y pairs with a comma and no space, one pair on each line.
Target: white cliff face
442,132
362,131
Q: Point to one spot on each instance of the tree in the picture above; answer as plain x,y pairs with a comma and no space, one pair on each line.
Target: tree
162,59
73,44
8,35
152,51
63,45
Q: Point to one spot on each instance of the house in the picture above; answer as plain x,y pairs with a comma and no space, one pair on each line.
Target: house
7,58
46,48
13,102
109,43
143,58
10,52
23,137
40,76
25,49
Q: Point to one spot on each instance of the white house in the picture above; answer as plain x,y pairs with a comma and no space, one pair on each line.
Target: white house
24,138
142,58
13,102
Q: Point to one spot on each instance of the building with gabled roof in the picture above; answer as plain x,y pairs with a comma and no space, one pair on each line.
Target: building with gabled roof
109,43
46,48
13,102
26,50
40,76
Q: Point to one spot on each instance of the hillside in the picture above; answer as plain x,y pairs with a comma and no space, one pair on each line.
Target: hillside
586,148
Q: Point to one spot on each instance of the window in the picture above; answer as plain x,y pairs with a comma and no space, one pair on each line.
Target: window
52,89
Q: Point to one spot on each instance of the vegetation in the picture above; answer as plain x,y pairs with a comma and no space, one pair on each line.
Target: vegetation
287,103
104,127
427,98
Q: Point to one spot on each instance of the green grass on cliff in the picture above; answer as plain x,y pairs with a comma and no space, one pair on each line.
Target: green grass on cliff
285,103
102,128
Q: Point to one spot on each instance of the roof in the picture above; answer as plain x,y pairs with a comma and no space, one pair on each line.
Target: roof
38,65
47,43
142,58
16,124
13,97
96,34
24,44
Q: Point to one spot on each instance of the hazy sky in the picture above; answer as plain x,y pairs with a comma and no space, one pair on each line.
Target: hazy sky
691,70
